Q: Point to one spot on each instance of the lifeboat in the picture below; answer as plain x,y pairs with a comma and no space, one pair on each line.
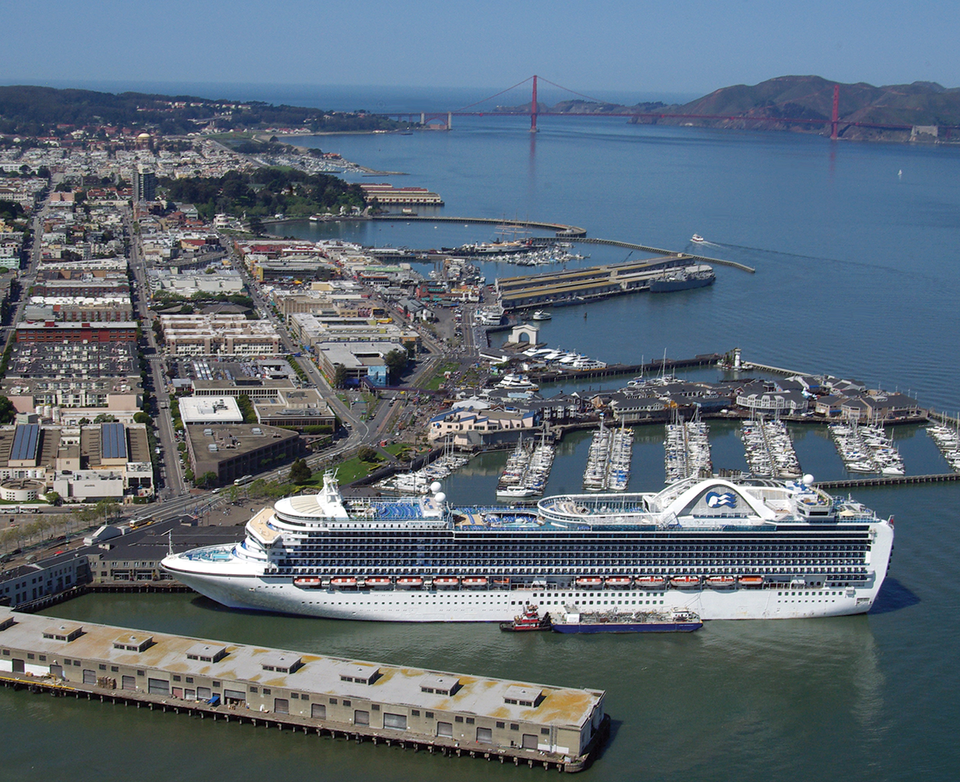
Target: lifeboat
619,581
501,582
377,582
475,581
750,581
410,582
650,582
343,581
308,582
685,582
721,582
446,582
593,582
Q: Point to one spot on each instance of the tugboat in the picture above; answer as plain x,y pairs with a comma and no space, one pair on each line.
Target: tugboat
529,620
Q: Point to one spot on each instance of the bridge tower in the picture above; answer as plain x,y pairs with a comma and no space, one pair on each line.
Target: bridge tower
533,107
835,117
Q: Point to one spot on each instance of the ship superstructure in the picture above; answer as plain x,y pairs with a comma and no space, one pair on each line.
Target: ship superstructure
726,550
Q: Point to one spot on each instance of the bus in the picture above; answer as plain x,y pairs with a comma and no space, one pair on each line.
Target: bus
243,480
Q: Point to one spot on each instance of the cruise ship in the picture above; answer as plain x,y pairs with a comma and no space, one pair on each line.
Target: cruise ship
758,549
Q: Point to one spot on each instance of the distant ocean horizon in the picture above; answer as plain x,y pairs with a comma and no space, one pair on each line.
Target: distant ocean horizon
371,98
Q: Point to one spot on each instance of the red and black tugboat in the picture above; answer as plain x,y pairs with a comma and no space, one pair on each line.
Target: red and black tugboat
528,621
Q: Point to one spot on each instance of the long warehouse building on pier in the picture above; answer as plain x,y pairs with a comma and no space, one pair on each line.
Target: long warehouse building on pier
554,726
574,286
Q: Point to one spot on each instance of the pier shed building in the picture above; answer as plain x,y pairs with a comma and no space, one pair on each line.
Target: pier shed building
481,715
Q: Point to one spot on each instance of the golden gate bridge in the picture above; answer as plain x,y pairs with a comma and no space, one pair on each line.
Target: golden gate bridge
445,118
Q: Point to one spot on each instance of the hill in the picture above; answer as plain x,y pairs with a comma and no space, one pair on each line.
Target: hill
39,111
865,111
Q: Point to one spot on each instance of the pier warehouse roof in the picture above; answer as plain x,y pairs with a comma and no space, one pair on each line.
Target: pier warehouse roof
331,691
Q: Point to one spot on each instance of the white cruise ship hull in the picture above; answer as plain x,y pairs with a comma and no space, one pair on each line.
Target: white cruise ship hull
492,605
762,551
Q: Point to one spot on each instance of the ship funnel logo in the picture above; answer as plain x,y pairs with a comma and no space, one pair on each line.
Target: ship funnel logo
726,500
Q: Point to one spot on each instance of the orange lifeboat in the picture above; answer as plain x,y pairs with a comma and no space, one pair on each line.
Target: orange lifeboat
446,582
378,582
343,581
650,582
475,581
619,581
685,582
750,581
721,582
410,582
307,582
593,582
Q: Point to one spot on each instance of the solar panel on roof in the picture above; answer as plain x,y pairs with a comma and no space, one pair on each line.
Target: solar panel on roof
113,441
25,440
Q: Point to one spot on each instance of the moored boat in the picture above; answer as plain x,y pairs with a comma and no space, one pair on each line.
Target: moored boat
574,621
791,534
529,620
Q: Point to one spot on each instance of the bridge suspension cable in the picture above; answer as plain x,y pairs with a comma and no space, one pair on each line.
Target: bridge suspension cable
491,97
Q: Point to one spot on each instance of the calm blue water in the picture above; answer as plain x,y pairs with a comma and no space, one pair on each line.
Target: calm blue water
857,275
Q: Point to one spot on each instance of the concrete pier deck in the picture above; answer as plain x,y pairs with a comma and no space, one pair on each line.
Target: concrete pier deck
455,714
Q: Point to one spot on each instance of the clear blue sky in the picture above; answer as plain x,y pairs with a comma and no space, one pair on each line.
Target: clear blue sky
677,46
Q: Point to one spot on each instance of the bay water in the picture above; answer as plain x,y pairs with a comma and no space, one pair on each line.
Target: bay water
856,249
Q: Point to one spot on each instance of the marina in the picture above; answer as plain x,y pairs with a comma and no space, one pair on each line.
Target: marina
608,460
947,439
866,449
527,470
769,449
687,450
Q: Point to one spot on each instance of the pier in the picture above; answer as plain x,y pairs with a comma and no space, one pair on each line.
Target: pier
579,286
452,714
560,230
660,251
890,480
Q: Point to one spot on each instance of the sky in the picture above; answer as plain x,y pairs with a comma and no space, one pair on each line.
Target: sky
669,46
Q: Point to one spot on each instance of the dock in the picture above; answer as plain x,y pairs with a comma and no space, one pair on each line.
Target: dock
452,714
890,480
586,284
